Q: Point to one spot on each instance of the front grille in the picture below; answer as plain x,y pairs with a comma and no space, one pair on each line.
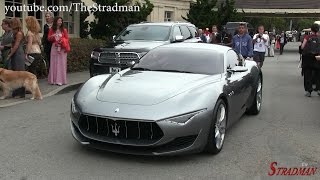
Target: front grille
118,57
176,144
120,130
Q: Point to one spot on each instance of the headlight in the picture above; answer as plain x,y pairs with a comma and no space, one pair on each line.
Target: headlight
74,110
141,54
184,118
95,55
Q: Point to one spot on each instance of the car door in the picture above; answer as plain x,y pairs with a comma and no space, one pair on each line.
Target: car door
176,32
187,36
194,33
235,87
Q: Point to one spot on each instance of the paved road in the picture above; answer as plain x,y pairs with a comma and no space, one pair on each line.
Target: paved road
36,143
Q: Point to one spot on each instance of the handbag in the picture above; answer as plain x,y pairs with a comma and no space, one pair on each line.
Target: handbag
29,60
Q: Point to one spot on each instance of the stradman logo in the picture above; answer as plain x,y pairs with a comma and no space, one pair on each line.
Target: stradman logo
304,170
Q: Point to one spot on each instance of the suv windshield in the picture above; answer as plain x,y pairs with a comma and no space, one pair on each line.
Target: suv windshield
145,32
182,60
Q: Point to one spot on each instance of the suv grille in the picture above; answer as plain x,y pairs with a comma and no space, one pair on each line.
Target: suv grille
120,130
118,57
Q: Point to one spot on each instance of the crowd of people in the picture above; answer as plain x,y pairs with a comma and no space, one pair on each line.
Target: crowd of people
259,46
22,52
262,44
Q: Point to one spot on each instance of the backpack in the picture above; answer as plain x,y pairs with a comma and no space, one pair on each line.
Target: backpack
313,45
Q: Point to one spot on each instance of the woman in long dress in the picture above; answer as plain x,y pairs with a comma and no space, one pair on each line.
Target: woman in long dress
58,35
16,55
272,45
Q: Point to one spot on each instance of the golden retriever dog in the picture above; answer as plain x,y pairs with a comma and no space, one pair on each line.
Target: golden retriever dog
11,80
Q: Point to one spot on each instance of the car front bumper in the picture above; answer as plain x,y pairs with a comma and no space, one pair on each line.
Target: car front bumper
177,139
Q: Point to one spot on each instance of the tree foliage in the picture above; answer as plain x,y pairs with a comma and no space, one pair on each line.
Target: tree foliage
84,25
202,13
205,13
301,24
107,24
227,12
270,23
280,23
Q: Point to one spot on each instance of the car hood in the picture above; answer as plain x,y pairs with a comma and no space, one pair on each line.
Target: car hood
147,87
133,45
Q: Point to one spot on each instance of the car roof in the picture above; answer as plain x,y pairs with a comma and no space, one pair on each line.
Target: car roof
170,23
203,46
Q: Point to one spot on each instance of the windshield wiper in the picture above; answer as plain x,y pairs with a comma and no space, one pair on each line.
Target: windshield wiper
167,70
140,69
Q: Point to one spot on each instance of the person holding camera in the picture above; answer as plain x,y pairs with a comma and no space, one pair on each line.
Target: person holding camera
260,41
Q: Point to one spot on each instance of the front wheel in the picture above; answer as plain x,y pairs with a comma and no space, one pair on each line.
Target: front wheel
218,128
256,105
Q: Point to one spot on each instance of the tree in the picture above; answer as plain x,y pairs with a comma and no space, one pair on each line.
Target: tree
228,13
202,13
108,23
205,13
84,25
279,23
303,24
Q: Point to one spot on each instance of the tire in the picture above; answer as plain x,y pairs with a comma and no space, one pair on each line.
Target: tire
217,132
91,70
256,105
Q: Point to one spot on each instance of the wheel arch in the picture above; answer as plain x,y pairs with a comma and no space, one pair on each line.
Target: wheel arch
225,100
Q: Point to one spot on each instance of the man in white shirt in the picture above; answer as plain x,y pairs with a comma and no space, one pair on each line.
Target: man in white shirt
260,45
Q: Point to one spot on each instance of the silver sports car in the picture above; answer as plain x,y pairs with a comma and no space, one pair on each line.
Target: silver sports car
179,98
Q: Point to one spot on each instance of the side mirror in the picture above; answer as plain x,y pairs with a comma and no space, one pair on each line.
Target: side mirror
131,63
178,39
114,37
238,69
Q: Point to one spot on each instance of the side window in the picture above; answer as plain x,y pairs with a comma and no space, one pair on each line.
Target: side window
185,32
232,59
193,31
176,32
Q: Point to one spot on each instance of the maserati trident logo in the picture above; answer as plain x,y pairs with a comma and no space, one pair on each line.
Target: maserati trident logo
116,110
115,129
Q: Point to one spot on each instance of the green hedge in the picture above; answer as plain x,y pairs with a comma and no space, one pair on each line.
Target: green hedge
78,58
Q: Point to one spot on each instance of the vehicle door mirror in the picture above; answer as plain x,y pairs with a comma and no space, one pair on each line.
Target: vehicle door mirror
131,63
114,37
178,39
238,69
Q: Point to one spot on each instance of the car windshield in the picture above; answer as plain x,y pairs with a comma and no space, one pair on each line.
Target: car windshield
145,32
182,60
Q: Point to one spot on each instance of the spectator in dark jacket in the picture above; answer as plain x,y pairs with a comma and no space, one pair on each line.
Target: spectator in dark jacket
202,36
310,65
47,44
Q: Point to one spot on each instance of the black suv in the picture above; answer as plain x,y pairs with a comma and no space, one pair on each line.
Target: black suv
135,41
232,28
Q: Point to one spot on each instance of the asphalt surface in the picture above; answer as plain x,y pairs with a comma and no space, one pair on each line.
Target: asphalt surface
36,142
